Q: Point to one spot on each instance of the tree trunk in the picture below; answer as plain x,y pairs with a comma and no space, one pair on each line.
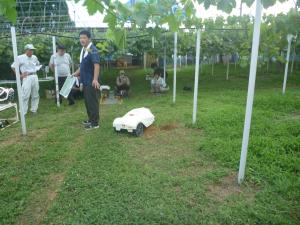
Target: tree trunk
212,68
268,65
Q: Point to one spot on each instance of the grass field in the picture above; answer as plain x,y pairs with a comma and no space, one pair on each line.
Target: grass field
177,173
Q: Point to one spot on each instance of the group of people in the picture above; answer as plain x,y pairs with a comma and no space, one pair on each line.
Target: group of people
158,84
88,72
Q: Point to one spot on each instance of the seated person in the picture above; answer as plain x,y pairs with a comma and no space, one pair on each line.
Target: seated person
123,84
157,84
160,71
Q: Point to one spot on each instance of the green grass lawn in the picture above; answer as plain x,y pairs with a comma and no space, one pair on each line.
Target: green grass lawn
177,173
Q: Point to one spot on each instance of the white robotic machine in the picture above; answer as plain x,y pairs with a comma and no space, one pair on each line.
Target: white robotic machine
134,121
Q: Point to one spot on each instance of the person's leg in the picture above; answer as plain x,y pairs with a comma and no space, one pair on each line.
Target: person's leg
26,91
35,97
86,96
93,105
71,97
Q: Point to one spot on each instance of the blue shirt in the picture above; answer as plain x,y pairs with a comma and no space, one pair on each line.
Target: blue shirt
87,66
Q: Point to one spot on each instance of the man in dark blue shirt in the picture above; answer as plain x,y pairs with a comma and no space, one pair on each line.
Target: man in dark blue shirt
89,78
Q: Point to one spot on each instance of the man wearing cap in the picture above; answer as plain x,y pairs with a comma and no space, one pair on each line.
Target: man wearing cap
123,84
62,61
89,78
28,64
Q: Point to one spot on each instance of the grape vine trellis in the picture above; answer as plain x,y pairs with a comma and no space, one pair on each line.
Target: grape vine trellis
175,14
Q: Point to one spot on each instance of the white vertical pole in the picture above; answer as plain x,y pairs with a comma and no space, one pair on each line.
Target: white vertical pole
186,60
145,60
152,41
251,87
180,61
289,39
196,75
17,69
55,71
165,62
175,66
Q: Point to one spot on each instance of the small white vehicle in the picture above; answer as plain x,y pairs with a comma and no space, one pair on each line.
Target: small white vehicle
134,121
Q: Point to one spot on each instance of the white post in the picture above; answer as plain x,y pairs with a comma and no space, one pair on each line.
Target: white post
145,60
20,96
196,75
165,60
55,71
175,66
180,61
251,87
289,39
186,60
152,41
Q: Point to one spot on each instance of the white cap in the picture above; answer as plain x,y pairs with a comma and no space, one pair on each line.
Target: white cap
29,46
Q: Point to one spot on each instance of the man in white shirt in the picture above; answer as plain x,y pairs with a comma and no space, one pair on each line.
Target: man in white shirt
63,62
28,64
157,84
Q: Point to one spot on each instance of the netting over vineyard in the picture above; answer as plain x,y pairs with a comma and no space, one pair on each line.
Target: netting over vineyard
40,16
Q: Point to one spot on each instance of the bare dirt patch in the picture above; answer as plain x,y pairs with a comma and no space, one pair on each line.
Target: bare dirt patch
40,201
228,186
155,130
169,127
17,137
171,149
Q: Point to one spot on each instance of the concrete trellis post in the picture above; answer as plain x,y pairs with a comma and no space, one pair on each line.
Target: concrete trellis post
55,71
289,39
17,69
251,87
175,66
196,75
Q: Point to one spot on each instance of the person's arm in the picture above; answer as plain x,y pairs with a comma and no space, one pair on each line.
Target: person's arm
96,61
76,73
51,63
22,75
95,82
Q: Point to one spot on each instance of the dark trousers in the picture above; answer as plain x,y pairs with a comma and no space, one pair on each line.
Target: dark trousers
123,87
61,81
91,100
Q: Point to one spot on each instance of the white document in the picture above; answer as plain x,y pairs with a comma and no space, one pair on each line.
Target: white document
67,87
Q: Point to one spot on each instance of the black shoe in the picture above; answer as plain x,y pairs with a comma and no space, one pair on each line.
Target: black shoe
86,122
91,127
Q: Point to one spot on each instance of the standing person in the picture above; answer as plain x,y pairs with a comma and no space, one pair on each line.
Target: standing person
89,74
63,62
28,64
